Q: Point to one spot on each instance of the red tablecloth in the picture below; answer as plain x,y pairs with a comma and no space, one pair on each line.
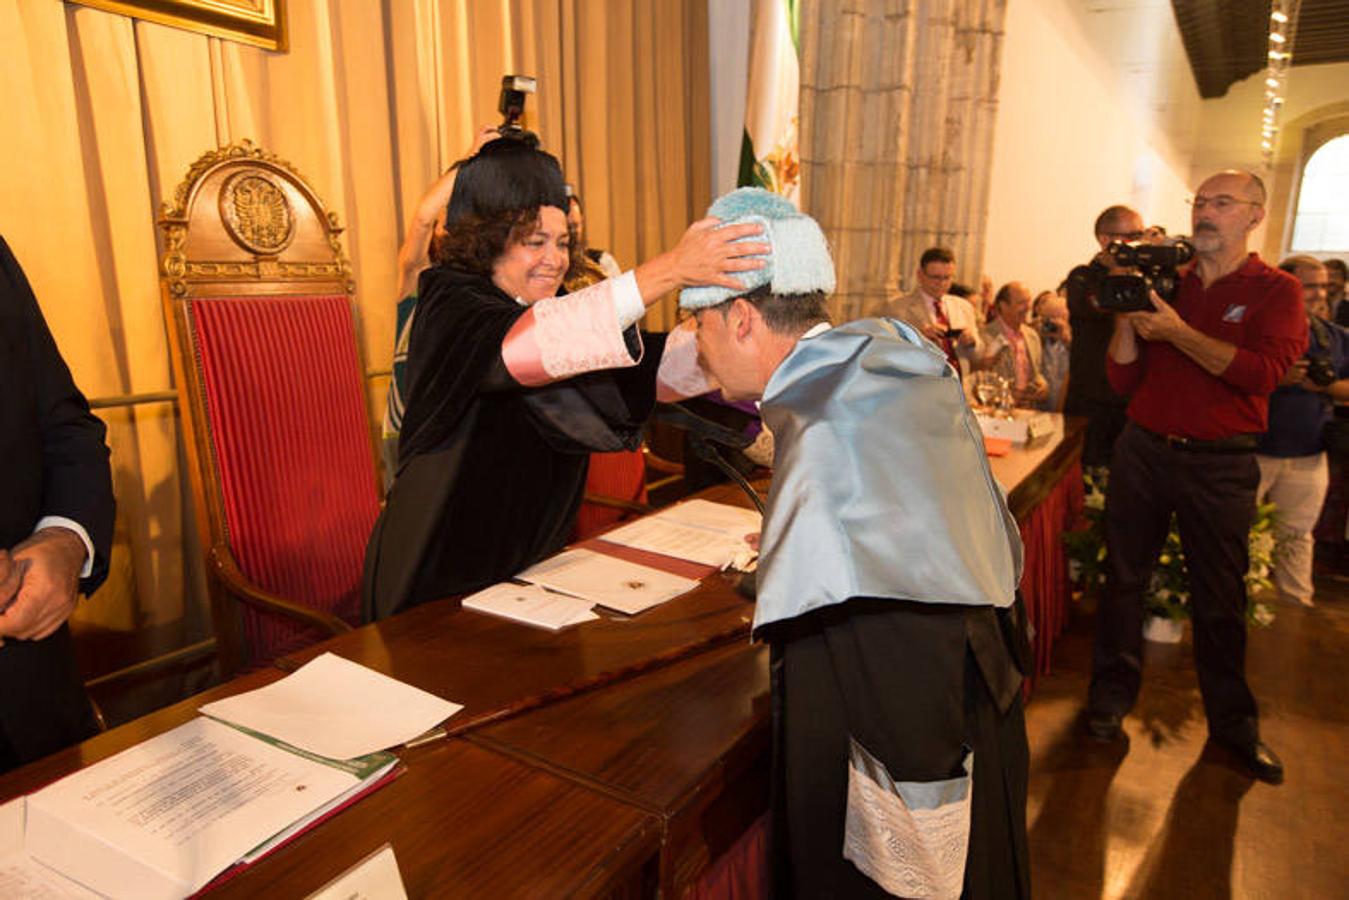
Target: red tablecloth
1044,584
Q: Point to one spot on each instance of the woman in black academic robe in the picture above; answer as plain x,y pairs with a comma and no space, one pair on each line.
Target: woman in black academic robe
504,405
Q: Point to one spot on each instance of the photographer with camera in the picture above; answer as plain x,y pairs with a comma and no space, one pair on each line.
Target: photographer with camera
1198,376
1089,392
1294,474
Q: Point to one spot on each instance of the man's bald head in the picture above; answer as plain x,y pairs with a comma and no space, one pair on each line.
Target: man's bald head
1118,223
1239,183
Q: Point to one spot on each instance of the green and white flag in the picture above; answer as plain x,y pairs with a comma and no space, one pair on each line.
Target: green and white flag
769,156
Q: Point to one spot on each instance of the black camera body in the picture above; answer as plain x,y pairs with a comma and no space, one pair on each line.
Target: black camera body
514,91
1154,269
1320,370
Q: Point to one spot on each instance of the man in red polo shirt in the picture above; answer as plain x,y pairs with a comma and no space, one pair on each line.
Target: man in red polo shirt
1198,375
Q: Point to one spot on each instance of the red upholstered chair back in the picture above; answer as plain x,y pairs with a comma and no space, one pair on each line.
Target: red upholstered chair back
615,489
258,299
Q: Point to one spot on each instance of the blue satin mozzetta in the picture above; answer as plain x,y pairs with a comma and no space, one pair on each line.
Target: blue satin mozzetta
881,487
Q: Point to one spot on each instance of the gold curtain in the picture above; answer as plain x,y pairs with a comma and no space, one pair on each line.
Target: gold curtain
373,100
898,99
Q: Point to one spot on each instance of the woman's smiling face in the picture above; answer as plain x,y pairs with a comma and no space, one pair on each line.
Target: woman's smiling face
532,268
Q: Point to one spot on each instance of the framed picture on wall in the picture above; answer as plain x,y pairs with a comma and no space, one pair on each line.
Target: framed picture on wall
261,23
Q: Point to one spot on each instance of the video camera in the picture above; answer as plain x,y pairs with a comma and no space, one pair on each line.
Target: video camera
1154,269
514,90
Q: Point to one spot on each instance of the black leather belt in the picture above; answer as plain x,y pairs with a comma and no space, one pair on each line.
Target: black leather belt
1237,443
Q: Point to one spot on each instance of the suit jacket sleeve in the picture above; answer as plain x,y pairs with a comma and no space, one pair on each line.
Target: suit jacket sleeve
76,479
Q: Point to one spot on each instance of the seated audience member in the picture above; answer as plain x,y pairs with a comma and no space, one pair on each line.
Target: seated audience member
603,259
1291,454
1336,273
1056,337
943,318
899,743
1089,392
510,388
1012,347
56,519
414,257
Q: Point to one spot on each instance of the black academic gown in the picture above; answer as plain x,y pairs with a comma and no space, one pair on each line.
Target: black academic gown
53,461
490,473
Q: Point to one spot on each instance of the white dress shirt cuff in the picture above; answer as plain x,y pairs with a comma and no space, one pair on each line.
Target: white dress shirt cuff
63,522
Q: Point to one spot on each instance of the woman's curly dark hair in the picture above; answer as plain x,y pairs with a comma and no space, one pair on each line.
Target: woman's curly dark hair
474,242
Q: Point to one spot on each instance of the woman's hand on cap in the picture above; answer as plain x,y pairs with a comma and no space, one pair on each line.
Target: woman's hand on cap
710,252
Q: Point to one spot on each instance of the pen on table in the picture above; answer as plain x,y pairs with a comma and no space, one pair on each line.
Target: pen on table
427,737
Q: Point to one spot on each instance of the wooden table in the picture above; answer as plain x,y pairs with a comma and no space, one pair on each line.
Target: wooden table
688,743
467,822
616,758
497,668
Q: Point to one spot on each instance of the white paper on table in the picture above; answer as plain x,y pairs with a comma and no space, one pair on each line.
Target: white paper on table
698,530
336,708
374,878
162,818
530,604
613,583
21,876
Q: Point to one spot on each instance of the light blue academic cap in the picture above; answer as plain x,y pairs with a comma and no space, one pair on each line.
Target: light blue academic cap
799,263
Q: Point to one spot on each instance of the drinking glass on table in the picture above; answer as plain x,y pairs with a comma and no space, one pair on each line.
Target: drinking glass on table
987,387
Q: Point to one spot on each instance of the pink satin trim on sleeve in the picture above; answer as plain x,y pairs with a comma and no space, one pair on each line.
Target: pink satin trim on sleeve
520,353
565,336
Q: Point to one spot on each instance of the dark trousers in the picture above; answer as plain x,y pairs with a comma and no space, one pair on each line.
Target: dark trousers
1213,497
915,684
1105,422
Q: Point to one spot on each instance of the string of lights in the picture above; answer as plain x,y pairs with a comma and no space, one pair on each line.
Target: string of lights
1282,25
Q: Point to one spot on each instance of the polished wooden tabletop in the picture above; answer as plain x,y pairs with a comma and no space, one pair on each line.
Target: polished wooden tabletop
497,668
688,742
467,822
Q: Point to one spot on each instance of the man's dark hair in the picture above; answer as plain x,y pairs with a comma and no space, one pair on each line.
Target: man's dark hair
1292,263
789,314
1338,265
935,254
1004,294
960,290
1112,214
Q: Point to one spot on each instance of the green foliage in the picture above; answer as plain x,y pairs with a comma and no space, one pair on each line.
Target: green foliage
1169,596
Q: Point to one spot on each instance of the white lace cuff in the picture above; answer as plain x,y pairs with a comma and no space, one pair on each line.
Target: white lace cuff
560,337
679,375
910,837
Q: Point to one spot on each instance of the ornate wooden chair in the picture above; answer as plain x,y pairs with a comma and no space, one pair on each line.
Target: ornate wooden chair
258,302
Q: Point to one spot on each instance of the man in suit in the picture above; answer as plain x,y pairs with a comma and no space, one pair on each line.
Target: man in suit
1013,347
943,318
56,520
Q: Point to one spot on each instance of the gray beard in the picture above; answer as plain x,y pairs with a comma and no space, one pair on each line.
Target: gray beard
1207,241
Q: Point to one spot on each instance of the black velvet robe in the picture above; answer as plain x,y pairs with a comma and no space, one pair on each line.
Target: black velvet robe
490,473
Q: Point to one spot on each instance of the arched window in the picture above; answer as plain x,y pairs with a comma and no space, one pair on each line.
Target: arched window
1322,222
